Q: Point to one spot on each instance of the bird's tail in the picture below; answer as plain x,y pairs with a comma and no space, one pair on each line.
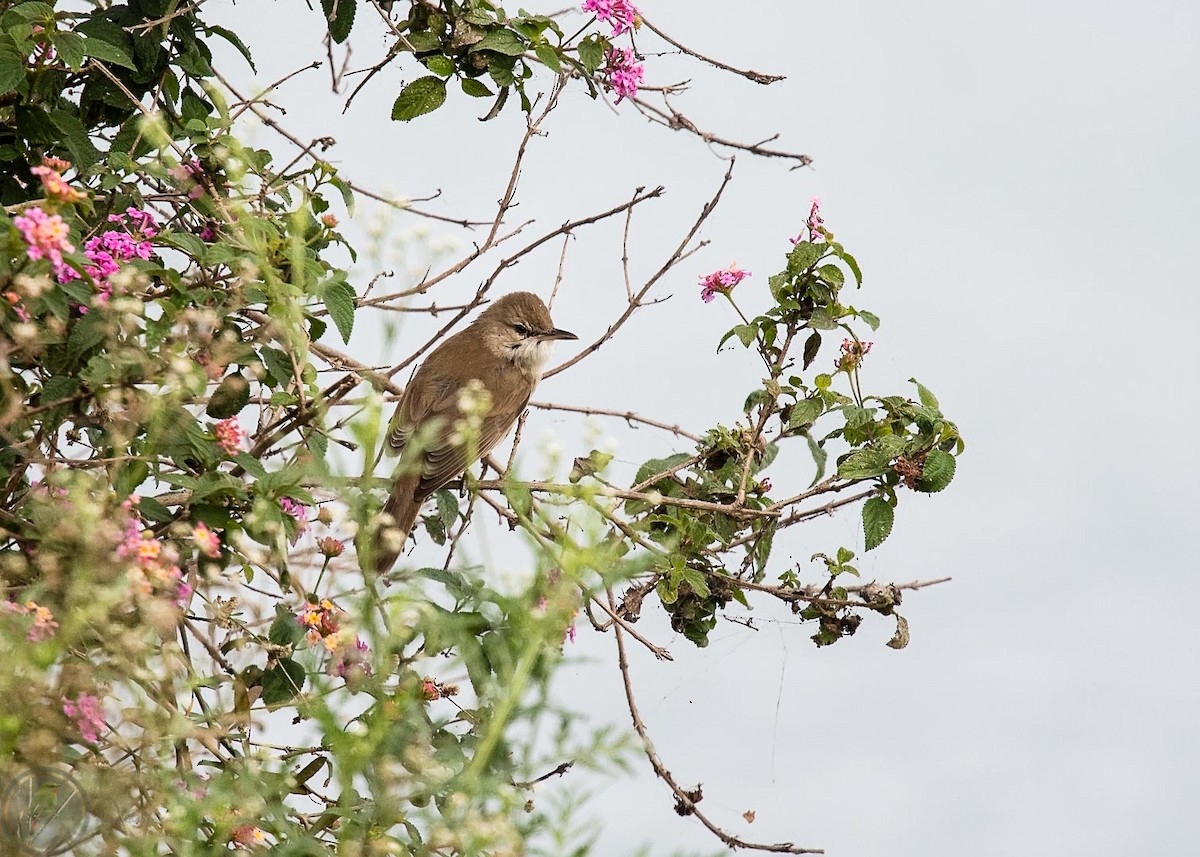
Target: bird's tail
398,516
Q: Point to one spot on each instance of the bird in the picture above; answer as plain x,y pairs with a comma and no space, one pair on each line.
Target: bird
499,356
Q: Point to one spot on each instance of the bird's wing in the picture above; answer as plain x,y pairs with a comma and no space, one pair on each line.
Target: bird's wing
431,398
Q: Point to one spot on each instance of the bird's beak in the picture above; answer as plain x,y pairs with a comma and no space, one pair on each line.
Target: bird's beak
557,334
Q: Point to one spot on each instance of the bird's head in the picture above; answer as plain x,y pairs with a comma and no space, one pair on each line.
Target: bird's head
518,327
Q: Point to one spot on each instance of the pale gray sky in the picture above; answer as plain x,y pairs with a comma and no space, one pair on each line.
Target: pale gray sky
1019,182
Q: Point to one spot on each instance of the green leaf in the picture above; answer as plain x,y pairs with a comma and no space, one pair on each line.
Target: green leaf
549,57
75,138
870,318
878,516
696,581
341,301
33,10
833,275
70,48
184,241
423,95
447,505
811,346
938,472
285,630
231,395
805,412
659,465
803,256
235,40
927,398
340,21
282,682
591,53
440,65
12,71
502,41
87,334
852,264
102,50
864,464
475,88
278,364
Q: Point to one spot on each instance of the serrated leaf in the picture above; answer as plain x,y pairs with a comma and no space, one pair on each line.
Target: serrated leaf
833,275
938,472
447,505
502,41
927,398
282,682
285,630
475,88
31,10
696,581
12,72
878,517
852,264
803,256
591,53
279,366
102,50
870,318
804,412
184,241
549,57
440,65
864,464
423,95
341,20
341,301
75,138
659,465
70,48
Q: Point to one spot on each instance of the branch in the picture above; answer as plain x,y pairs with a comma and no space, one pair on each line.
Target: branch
685,800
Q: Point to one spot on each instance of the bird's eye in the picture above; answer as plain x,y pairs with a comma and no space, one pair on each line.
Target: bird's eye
521,329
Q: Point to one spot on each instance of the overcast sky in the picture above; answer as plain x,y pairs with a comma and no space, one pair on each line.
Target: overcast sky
1019,182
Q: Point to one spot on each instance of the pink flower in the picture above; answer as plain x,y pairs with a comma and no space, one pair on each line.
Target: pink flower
320,622
429,690
623,73
620,13
765,486
86,712
721,282
207,542
50,172
853,352
248,836
351,660
815,223
230,436
297,511
43,626
46,235
330,547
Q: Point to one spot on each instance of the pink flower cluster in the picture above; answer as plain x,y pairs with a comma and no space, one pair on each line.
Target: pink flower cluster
48,238
621,14
112,247
155,569
721,282
88,716
230,436
623,72
43,626
853,352
349,655
330,547
56,187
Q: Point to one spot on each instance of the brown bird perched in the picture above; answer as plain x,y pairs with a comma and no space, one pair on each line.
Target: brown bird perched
503,352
